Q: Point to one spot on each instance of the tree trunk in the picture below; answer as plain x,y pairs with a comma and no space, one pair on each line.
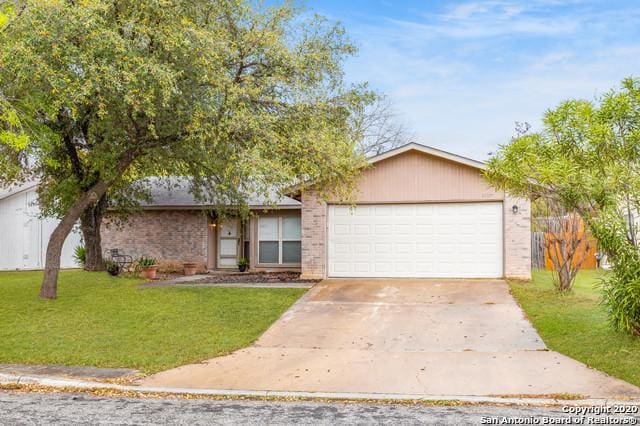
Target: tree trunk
49,288
565,278
90,222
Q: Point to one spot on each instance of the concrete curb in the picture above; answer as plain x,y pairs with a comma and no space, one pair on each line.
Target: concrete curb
60,382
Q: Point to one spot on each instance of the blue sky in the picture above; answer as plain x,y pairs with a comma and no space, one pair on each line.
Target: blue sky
462,73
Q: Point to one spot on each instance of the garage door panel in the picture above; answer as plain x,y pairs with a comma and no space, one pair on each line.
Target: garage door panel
422,229
424,267
382,248
467,249
361,248
403,267
404,229
382,267
342,230
342,248
384,211
361,267
360,229
420,240
341,211
403,248
404,211
424,248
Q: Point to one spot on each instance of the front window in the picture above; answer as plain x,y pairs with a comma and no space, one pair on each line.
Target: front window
279,240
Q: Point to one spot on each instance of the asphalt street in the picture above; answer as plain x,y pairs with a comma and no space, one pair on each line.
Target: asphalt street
70,409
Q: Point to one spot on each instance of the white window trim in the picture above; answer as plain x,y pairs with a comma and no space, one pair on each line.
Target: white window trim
280,245
283,240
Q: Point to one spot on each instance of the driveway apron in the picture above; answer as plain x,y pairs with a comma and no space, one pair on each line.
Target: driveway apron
404,336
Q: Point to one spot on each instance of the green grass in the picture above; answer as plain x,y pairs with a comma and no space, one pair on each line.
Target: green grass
102,321
576,324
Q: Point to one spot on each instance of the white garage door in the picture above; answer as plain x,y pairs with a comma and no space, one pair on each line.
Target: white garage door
455,240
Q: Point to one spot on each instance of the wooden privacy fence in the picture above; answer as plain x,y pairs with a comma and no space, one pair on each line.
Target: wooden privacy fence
541,259
537,249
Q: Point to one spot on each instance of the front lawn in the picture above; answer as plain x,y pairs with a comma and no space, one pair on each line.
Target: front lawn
102,321
576,325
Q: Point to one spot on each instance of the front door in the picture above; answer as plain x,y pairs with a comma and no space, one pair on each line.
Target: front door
228,243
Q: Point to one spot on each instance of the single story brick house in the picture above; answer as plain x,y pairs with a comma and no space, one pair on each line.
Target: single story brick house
418,212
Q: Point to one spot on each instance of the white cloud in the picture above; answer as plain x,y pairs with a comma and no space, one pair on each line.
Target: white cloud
463,77
466,10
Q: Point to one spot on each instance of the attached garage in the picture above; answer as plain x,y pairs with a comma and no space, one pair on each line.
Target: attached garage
439,240
419,212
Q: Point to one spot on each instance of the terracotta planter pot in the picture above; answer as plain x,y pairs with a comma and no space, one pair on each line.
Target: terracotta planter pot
149,272
190,268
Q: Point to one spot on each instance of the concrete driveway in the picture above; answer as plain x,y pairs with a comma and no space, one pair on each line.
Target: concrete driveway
431,337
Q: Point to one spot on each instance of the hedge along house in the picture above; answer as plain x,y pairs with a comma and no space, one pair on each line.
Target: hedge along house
418,212
174,228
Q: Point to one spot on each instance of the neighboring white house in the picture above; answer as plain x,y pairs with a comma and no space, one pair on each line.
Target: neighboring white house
24,236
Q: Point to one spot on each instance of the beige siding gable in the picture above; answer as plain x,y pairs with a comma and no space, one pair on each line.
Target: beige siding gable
414,176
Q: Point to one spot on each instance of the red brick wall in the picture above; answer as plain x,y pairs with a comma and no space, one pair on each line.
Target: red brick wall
314,227
171,236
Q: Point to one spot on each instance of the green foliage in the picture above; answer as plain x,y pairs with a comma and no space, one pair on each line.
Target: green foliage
111,267
80,255
243,262
104,321
240,96
621,295
621,286
587,159
144,261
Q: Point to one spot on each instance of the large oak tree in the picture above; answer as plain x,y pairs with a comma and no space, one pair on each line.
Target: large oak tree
240,97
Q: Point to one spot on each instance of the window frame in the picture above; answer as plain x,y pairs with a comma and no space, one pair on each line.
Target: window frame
280,241
283,239
246,238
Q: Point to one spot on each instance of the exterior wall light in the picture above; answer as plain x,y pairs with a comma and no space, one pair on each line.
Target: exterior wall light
515,209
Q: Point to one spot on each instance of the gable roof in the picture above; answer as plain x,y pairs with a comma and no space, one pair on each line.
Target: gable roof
8,191
174,192
429,151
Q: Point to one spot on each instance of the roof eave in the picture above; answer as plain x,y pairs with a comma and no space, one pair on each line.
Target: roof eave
205,207
430,151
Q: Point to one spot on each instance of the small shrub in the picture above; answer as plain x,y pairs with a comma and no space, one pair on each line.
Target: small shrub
80,255
243,262
621,286
112,267
621,296
144,261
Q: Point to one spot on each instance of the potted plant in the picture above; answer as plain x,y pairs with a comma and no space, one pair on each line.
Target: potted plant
112,267
243,264
190,268
148,267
